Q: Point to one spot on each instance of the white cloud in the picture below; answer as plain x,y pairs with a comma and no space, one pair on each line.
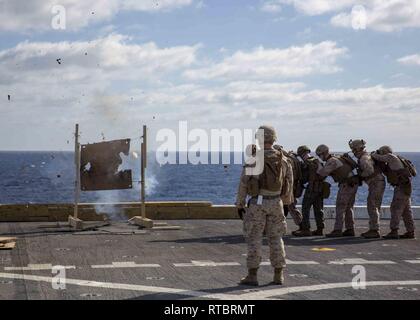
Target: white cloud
91,85
262,63
381,15
271,6
119,85
410,60
113,55
36,15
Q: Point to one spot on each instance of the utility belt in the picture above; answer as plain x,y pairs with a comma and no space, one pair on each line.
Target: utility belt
267,197
262,198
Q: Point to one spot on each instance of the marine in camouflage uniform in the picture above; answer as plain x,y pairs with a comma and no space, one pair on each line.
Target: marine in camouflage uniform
268,215
400,178
313,197
293,174
340,168
371,174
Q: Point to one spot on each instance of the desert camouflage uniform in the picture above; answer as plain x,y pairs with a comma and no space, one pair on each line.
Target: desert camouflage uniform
401,201
346,196
267,216
376,184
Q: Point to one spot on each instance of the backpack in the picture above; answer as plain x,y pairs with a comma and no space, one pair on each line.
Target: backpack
409,166
269,179
345,158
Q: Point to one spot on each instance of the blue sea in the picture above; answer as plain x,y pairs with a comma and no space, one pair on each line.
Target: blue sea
48,177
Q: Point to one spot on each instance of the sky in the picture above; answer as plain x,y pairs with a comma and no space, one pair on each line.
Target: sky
319,71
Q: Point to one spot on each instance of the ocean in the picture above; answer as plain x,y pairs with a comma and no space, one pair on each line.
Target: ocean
48,177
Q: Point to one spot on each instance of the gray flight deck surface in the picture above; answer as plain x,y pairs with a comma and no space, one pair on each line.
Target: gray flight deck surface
203,260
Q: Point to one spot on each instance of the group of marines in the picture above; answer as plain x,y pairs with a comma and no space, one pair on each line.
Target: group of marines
350,173
265,199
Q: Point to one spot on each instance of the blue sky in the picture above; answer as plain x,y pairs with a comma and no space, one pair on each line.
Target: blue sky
298,65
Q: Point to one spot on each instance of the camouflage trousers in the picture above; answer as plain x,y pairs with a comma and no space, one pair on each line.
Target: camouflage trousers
344,214
268,216
374,202
401,207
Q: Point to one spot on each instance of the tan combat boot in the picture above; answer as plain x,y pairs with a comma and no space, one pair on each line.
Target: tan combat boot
251,279
392,235
408,235
278,276
371,234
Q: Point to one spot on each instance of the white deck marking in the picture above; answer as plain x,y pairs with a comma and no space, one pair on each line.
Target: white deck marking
124,264
327,286
206,263
255,294
118,286
291,262
413,261
34,267
360,261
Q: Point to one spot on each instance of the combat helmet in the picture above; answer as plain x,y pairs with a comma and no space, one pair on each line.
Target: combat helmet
322,149
385,150
302,150
270,135
357,145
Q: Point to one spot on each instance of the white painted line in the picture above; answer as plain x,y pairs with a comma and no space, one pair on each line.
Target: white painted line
291,262
124,264
318,287
118,286
413,261
360,261
35,267
255,294
206,263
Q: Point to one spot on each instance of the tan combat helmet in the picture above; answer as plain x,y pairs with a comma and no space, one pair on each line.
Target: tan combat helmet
270,135
322,149
357,145
302,150
385,150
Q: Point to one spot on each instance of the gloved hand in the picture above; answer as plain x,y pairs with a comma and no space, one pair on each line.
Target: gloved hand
241,212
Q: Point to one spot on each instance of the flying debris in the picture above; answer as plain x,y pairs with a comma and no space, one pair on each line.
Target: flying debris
58,60
135,155
8,97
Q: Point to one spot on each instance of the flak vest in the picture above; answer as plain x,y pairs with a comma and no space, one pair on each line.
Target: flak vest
314,179
342,174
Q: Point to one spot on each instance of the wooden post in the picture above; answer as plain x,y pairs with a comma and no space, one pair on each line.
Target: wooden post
143,172
77,165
